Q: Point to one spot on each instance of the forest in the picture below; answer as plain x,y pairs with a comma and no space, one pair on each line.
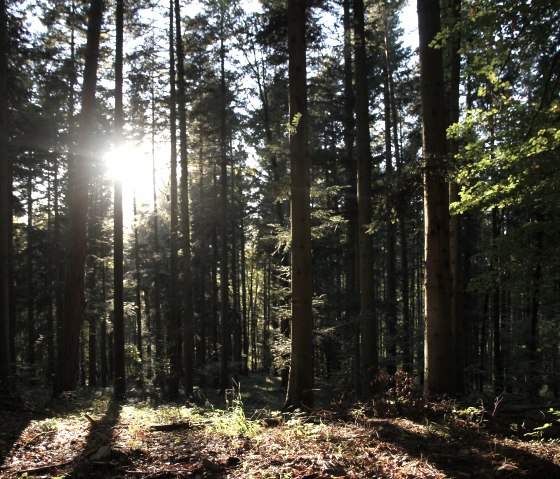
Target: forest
279,238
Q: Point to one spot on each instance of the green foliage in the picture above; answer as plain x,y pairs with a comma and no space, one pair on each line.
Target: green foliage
233,421
133,361
46,425
473,415
292,127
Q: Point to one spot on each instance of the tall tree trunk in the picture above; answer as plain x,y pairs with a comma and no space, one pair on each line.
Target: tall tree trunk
174,328
158,329
104,373
29,269
496,297
368,322
5,213
236,323
79,174
407,339
534,376
350,204
92,331
214,270
224,267
188,313
138,296
244,315
300,382
455,220
439,346
119,380
203,320
49,285
391,234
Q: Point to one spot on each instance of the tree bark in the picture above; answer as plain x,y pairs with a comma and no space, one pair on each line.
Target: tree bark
174,328
455,220
31,334
439,346
5,213
79,175
350,203
138,296
391,234
119,380
224,266
368,322
188,313
300,382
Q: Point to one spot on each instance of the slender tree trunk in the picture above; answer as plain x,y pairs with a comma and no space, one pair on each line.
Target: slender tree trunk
138,296
203,326
496,296
534,376
244,315
350,204
49,285
368,322
407,337
70,146
188,313
224,266
174,328
118,300
158,330
5,210
79,174
214,288
104,365
236,323
391,234
439,345
29,268
455,220
92,325
300,382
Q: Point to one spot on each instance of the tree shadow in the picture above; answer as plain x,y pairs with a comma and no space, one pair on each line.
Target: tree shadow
13,422
461,453
98,457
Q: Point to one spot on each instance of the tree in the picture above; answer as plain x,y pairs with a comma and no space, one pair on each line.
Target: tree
439,345
188,342
300,382
174,321
368,323
118,300
79,174
5,215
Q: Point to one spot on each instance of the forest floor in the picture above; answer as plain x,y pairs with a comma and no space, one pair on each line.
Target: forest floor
248,437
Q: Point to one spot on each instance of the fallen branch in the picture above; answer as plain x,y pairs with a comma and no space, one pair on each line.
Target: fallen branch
91,420
37,436
171,427
45,468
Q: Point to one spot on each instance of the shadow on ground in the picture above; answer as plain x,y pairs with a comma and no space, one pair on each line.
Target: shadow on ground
99,458
459,453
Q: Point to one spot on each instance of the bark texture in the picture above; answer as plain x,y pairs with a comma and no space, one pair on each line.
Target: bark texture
300,382
439,345
79,176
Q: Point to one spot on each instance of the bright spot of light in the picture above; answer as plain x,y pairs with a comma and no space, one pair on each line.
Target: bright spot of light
128,164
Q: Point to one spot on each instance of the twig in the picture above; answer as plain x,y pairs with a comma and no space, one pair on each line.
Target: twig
45,468
91,420
34,438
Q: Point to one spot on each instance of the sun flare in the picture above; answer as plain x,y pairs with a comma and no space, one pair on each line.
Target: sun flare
134,165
